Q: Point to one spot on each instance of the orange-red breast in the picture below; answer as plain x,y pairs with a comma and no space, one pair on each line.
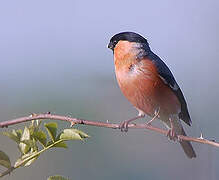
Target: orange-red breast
149,85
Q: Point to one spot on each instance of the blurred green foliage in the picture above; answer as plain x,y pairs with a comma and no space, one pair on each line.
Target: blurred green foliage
33,140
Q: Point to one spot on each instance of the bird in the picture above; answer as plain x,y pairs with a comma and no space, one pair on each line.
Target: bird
147,82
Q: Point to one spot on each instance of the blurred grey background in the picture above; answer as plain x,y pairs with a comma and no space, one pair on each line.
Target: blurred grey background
54,58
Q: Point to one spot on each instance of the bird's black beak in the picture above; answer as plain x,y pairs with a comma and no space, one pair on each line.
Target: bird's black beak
110,46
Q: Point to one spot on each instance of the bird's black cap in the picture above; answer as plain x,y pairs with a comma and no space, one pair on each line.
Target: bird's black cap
126,36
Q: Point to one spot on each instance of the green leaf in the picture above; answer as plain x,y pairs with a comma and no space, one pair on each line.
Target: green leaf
24,148
32,129
34,146
60,144
57,177
31,143
4,160
70,134
41,137
19,133
82,134
52,129
73,134
34,126
36,123
15,136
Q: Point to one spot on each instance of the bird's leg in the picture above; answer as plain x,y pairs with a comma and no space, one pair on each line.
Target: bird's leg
171,132
156,114
124,124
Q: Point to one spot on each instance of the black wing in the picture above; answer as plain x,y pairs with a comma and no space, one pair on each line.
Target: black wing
167,77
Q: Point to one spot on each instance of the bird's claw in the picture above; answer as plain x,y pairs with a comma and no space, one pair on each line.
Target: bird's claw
123,126
172,135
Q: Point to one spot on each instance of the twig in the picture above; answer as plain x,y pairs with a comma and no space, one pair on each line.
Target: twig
101,124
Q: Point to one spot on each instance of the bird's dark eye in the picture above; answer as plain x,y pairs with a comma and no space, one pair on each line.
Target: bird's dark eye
114,43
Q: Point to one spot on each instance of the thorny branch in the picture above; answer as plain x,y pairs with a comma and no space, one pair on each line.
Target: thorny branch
74,121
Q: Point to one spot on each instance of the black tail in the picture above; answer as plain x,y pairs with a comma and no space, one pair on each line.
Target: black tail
187,147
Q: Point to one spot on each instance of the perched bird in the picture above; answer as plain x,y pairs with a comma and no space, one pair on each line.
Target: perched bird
149,85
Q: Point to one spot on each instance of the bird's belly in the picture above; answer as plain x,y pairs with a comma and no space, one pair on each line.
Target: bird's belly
148,94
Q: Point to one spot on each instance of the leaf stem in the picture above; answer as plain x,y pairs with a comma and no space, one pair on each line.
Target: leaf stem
8,171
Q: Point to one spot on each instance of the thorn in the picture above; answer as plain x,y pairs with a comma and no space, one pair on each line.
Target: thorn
201,136
33,114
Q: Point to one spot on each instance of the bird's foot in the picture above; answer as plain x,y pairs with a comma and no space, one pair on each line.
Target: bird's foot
179,139
123,126
172,135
